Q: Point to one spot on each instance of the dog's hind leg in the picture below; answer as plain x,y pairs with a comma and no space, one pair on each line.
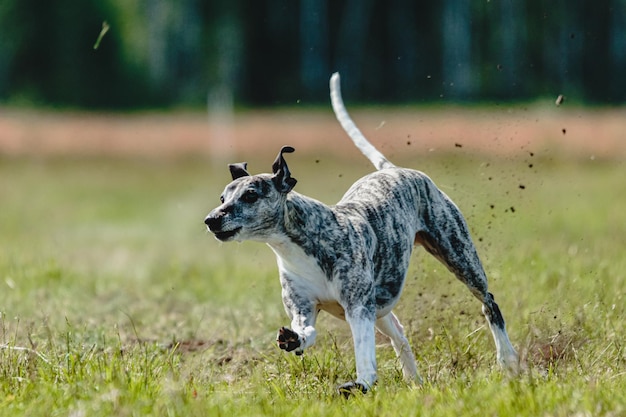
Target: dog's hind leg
506,355
447,237
391,327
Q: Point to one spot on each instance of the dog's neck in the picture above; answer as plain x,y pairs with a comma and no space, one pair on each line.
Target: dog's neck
300,224
309,233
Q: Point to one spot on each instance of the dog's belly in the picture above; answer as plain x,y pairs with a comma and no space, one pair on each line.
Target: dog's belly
333,308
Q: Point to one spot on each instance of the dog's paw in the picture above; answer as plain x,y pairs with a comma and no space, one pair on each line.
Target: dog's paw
288,340
350,388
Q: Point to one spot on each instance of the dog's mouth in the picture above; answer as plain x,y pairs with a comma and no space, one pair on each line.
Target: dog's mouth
226,235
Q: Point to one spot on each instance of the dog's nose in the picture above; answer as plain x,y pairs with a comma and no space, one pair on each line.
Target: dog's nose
213,222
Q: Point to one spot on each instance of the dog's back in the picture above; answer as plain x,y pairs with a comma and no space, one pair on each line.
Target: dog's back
401,207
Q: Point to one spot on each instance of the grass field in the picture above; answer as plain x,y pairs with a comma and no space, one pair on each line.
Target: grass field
115,301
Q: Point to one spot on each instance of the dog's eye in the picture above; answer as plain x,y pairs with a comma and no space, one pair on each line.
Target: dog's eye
222,199
250,196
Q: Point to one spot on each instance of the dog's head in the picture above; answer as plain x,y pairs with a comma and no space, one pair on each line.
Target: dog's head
252,205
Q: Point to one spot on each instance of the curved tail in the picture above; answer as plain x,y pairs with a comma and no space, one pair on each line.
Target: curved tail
375,157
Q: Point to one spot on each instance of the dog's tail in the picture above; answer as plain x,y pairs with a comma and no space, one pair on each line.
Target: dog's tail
375,157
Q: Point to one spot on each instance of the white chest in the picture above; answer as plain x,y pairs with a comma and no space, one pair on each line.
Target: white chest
307,276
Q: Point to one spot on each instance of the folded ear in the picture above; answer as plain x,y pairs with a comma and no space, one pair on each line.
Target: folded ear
282,177
238,170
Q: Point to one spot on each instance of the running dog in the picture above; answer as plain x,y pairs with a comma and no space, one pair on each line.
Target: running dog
351,259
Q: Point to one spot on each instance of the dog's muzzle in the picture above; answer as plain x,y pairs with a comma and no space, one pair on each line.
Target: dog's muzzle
215,225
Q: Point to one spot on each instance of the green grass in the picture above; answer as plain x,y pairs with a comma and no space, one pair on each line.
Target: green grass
115,301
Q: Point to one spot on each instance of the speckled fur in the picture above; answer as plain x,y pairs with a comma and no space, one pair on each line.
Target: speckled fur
351,259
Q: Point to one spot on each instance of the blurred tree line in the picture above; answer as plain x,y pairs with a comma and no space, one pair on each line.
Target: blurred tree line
268,52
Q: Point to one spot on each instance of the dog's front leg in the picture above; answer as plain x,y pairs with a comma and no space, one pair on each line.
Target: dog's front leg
303,313
362,324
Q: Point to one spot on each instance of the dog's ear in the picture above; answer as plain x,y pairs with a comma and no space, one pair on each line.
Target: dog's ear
238,170
282,177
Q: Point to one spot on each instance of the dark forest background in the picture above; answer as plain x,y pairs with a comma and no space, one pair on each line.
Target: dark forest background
160,53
